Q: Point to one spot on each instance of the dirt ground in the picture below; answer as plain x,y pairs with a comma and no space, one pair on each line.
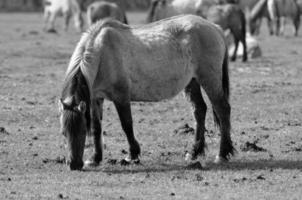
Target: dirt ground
266,118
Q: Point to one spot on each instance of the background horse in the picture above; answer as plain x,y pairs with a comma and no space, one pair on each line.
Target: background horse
100,10
255,11
230,16
161,9
281,9
67,8
149,63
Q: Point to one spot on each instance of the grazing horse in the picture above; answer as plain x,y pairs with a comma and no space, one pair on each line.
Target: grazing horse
147,63
281,9
101,10
161,9
67,8
230,16
255,10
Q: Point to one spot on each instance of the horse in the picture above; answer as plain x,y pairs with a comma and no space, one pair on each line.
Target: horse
230,16
152,62
281,9
67,8
100,10
161,9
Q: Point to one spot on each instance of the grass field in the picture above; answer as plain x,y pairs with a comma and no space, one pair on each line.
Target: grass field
266,99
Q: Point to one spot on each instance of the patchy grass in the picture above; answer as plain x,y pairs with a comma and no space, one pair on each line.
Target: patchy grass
266,111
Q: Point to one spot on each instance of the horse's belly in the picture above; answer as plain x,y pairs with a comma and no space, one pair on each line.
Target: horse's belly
162,82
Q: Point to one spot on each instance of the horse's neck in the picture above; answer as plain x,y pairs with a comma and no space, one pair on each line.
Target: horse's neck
257,11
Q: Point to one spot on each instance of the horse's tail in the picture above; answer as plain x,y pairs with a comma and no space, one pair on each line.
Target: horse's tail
225,75
243,23
225,82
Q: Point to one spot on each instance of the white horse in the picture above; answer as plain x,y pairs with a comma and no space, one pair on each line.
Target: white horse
279,10
161,9
102,9
148,63
65,8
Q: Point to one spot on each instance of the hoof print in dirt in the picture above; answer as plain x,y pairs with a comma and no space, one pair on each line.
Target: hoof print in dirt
184,130
260,177
112,161
251,146
61,196
57,160
195,165
124,151
124,162
3,131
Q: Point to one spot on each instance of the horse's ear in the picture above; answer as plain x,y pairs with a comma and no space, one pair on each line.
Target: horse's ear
81,107
62,104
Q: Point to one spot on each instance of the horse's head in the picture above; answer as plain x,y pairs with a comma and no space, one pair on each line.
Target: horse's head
75,119
74,128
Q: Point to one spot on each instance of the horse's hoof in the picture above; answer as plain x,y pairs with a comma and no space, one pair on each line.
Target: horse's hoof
188,157
129,161
90,164
220,160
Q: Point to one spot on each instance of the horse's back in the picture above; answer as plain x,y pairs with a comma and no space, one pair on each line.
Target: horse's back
156,61
287,8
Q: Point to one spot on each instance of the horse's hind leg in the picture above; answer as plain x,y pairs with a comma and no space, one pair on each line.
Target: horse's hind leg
96,131
243,41
296,21
222,112
236,41
124,112
193,92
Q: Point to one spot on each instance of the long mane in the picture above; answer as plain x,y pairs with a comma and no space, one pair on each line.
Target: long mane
83,68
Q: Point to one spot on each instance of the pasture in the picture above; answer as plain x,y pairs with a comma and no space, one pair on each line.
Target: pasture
266,97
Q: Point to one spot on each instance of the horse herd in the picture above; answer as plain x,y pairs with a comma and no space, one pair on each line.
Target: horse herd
176,50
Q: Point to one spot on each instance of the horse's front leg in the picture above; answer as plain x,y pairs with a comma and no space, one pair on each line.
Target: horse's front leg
67,17
124,112
96,131
282,25
277,31
46,19
52,20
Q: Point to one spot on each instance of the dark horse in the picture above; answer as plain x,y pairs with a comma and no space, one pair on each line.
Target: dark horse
153,62
230,16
